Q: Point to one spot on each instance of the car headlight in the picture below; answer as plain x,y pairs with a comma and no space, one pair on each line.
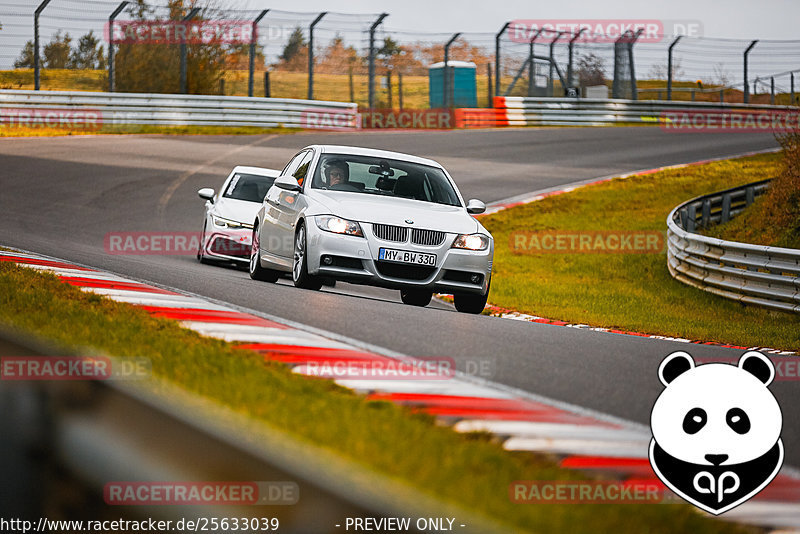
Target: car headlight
471,242
337,225
227,223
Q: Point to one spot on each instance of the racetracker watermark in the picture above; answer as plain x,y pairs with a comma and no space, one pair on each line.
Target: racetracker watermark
201,493
584,492
423,119
601,30
382,368
73,118
733,120
329,119
180,32
74,368
587,242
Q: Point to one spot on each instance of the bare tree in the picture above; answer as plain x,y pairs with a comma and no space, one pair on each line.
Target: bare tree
659,71
721,75
591,70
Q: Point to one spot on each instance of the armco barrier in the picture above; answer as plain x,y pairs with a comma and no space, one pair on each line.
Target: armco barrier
54,108
524,111
751,274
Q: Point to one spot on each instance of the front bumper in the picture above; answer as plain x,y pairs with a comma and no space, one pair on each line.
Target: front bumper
354,259
230,245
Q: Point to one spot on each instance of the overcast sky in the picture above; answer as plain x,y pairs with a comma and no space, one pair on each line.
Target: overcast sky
740,19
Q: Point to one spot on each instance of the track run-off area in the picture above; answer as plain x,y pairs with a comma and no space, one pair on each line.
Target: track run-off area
60,196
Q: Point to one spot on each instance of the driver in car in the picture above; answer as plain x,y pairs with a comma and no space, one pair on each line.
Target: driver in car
337,172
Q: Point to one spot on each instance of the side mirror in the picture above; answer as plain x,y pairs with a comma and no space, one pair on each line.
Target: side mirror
206,193
289,183
475,206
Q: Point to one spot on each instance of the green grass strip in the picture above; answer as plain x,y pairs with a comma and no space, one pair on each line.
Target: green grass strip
143,129
630,291
471,470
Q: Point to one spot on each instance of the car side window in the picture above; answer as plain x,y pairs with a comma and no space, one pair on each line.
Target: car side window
302,169
294,163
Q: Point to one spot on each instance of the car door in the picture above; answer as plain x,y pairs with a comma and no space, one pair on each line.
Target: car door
281,209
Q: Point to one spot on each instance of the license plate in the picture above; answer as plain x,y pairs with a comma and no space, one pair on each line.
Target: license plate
405,256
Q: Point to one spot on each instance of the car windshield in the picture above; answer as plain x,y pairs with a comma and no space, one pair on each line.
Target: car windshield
249,187
386,177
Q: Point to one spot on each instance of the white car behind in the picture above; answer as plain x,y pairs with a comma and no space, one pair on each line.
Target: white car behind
229,214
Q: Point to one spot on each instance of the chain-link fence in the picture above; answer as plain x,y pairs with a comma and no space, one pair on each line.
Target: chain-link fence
339,57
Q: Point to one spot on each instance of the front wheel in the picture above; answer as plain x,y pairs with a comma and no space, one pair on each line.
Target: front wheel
416,297
470,302
300,275
257,272
201,248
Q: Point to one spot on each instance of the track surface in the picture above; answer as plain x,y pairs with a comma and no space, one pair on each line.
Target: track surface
60,196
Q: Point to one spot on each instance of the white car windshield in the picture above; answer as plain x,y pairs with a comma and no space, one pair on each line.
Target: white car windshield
385,177
249,187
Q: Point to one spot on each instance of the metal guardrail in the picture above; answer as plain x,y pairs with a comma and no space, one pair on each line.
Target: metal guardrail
751,274
525,111
92,109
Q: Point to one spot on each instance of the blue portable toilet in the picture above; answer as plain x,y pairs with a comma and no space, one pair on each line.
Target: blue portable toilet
463,87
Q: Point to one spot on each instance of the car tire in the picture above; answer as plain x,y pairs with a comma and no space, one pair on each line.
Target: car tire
300,275
470,302
416,297
200,256
257,272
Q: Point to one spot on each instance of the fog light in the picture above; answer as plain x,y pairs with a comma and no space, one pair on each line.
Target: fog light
475,279
327,260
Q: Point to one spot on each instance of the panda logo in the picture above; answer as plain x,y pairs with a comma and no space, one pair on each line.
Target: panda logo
716,430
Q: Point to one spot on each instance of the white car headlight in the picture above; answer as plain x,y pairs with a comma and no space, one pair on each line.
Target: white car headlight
337,225
471,242
227,223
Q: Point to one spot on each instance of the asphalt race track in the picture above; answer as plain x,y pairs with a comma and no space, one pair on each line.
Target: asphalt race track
60,196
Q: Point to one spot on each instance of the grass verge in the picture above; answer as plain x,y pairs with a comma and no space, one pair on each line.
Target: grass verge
143,129
774,218
470,470
630,291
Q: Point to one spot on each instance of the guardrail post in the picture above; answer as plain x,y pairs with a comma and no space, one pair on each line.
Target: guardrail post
569,64
550,84
253,41
311,55
750,195
446,71
266,84
691,218
36,42
746,87
183,82
791,85
111,44
725,216
669,66
497,58
371,61
705,217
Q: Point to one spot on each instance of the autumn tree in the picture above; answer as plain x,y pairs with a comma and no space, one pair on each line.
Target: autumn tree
25,59
89,54
155,68
56,52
